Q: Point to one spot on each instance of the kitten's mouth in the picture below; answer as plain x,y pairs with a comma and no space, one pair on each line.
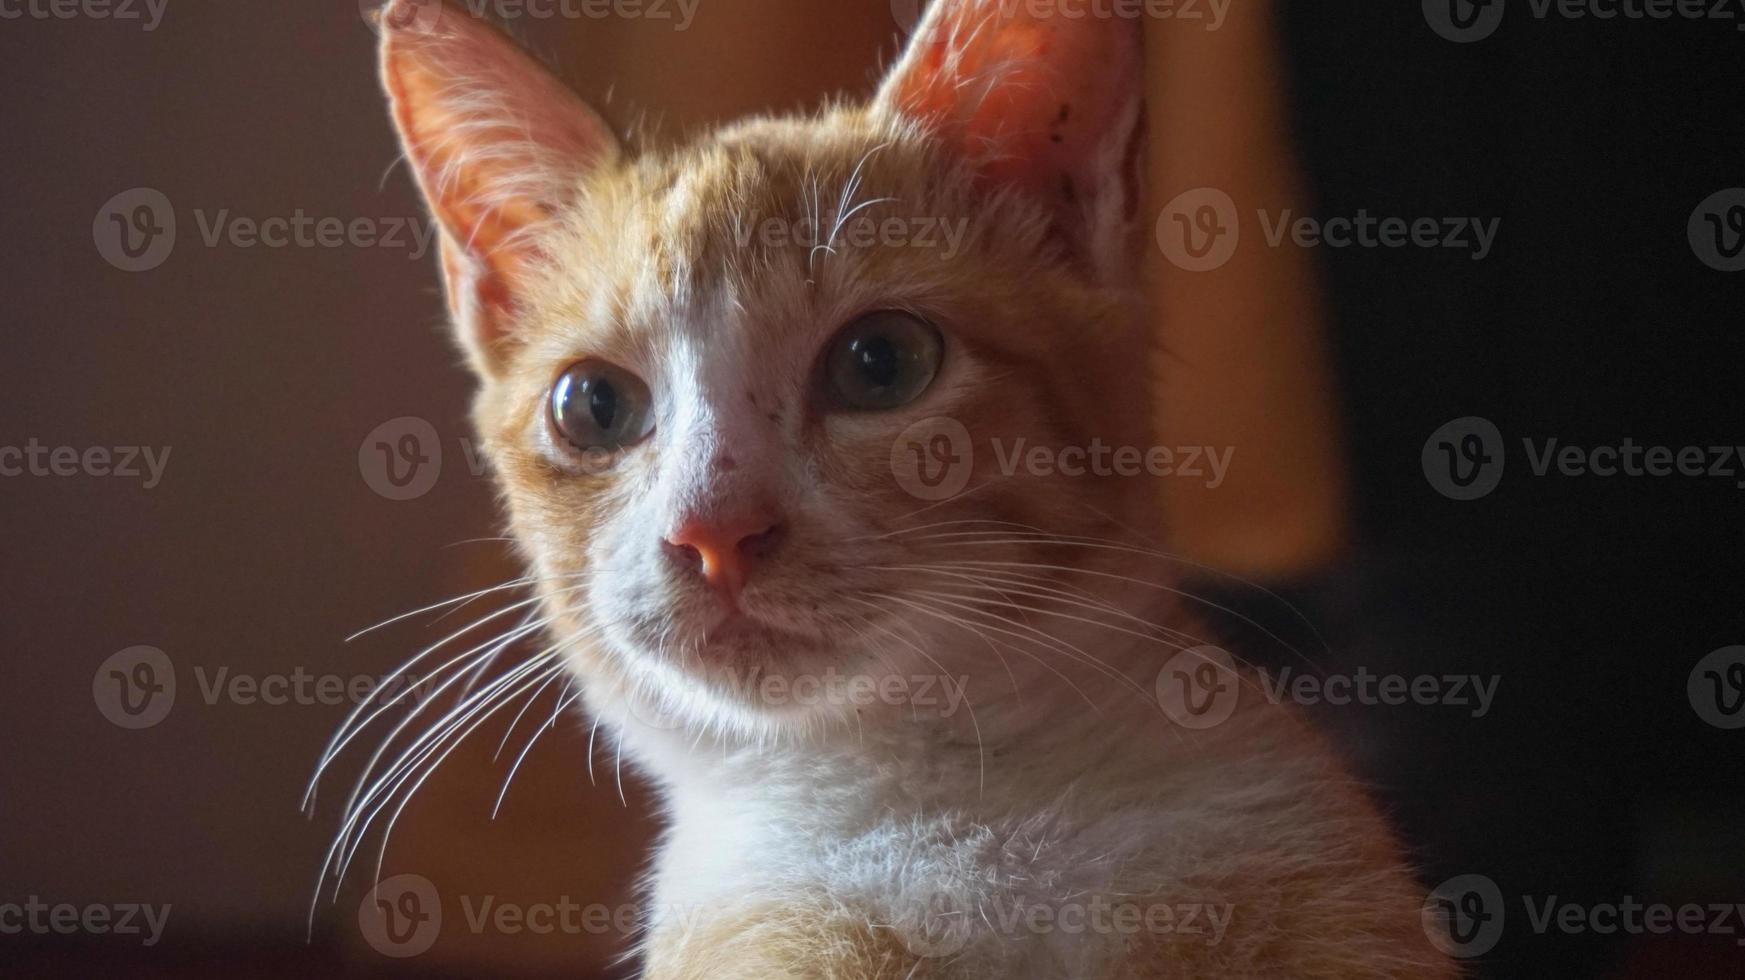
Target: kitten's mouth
738,638
738,630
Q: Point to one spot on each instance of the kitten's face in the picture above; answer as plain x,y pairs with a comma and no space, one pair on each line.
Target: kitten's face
703,404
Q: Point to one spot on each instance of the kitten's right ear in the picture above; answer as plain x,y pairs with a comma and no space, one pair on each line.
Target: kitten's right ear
498,146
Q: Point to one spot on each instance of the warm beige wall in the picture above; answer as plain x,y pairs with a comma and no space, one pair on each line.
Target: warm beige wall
1244,363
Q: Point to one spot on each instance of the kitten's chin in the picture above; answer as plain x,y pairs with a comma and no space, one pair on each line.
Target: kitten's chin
740,641
743,682
730,642
741,671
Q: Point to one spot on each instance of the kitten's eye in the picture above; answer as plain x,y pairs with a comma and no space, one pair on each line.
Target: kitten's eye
882,360
599,406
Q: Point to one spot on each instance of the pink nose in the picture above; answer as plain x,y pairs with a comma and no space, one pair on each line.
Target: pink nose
728,549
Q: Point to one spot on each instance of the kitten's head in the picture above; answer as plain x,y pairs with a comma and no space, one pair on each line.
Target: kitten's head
728,387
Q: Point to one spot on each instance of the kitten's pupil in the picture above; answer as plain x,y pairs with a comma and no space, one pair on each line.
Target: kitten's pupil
882,360
596,405
878,360
603,403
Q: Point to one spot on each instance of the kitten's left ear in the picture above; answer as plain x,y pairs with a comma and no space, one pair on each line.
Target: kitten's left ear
1039,100
499,146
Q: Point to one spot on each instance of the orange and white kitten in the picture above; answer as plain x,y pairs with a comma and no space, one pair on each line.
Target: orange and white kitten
896,736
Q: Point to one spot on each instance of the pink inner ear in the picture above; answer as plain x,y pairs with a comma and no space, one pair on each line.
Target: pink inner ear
497,145
1030,99
495,140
